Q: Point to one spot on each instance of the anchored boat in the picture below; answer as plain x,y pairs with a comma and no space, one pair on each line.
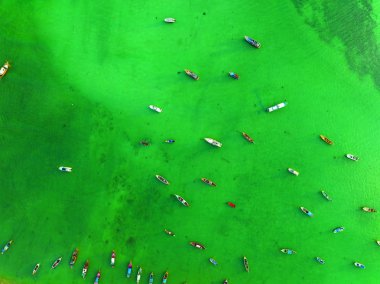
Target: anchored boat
288,251
191,74
252,42
213,142
294,172
209,182
197,245
246,265
352,157
183,201
169,20
276,107
4,69
85,269
162,179
307,212
74,257
327,140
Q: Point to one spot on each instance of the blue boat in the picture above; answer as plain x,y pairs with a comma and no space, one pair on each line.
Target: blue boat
320,260
129,269
151,278
338,230
359,265
252,42
213,261
307,212
6,247
288,251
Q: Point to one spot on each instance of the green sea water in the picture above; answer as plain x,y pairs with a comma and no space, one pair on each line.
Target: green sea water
83,74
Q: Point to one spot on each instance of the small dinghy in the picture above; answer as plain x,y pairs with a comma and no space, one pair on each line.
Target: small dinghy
155,108
169,20
320,260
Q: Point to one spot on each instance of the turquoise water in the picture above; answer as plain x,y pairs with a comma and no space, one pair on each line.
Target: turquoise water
82,77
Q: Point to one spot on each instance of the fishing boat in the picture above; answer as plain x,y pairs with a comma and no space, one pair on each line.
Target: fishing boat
129,269
252,42
165,278
338,230
325,195
231,204
155,108
209,182
183,201
74,257
169,141
213,142
6,247
370,210
97,278
85,269
170,233
320,260
288,251
327,140
113,258
197,245
307,212
246,265
65,169
4,69
192,74
55,263
151,277
138,277
169,20
233,75
213,261
35,269
162,179
247,137
359,265
294,172
352,157
276,107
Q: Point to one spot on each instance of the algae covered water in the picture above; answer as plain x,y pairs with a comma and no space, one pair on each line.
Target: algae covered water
82,77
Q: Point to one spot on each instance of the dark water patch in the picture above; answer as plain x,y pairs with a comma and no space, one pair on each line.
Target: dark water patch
353,24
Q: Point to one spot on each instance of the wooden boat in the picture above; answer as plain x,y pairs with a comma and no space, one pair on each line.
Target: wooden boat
231,204
276,107
4,69
246,265
129,269
169,20
327,140
162,179
197,245
183,201
325,195
97,278
246,136
352,157
288,251
191,74
6,247
170,233
165,278
74,257
307,212
294,172
85,269
155,108
359,265
35,269
209,182
113,258
370,210
138,277
252,42
65,169
213,142
55,263
338,230
320,260
151,278
213,261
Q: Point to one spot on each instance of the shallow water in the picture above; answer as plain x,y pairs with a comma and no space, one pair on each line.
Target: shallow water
82,77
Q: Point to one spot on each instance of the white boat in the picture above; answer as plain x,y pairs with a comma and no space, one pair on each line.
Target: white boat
65,169
325,195
359,265
276,107
157,109
294,172
169,20
4,69
352,157
183,201
36,269
213,142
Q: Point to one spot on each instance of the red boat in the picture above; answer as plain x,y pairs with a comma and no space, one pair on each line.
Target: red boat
231,204
197,245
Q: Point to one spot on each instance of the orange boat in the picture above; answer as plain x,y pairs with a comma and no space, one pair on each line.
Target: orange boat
246,136
4,69
327,140
209,182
